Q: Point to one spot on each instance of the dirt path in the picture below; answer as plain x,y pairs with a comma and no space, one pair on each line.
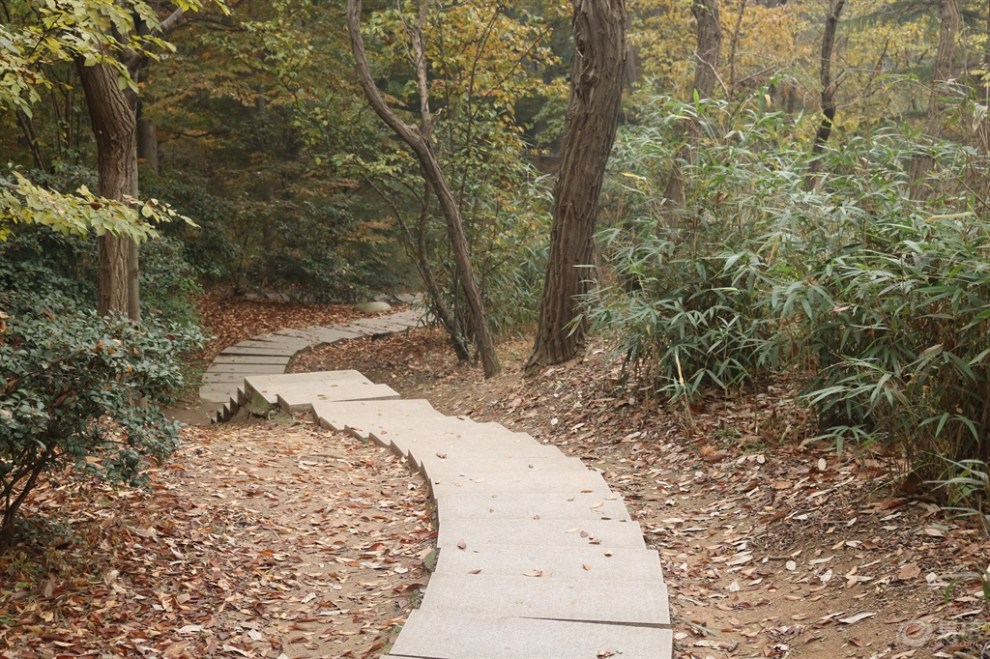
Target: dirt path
258,540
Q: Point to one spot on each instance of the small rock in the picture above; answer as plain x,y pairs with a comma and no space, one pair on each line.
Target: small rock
373,307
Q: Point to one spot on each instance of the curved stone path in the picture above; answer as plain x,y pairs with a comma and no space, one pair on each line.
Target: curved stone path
269,354
538,558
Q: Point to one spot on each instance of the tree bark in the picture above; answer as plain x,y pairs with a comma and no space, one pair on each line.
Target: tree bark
709,46
589,133
416,137
734,46
950,23
828,90
708,33
111,115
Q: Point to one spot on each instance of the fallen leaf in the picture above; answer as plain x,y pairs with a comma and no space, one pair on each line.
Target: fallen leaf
851,620
909,571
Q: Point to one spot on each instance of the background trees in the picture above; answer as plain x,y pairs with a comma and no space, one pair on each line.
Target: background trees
715,252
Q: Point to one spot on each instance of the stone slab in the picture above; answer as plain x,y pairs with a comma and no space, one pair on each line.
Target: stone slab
358,416
219,378
311,338
269,350
588,563
525,531
445,465
282,343
604,600
268,385
513,637
376,326
245,369
545,505
252,359
330,334
421,451
300,398
217,393
571,483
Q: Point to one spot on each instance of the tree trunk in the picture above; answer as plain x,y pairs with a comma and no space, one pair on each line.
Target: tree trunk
734,47
708,32
828,90
709,46
417,140
111,115
589,132
950,22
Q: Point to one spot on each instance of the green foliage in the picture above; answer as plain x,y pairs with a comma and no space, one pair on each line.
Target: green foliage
684,294
71,383
879,303
23,202
168,282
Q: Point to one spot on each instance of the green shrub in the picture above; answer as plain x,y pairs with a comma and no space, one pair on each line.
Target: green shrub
81,391
168,281
880,303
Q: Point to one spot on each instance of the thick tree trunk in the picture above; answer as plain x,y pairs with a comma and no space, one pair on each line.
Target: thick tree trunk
828,90
589,133
950,23
417,138
111,115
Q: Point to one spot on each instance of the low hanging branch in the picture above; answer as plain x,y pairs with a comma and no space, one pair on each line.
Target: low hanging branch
417,138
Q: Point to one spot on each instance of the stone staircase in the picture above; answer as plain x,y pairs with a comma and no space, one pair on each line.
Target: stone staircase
537,556
269,354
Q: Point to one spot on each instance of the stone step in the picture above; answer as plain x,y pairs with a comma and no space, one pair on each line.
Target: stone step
217,392
569,483
527,531
542,505
245,369
301,397
234,379
311,338
359,416
485,636
462,464
280,343
251,359
267,385
588,562
379,325
483,446
267,350
605,600
330,334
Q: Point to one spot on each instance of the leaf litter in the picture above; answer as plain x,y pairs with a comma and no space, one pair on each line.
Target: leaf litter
257,540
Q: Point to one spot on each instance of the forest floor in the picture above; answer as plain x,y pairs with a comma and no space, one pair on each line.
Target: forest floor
279,539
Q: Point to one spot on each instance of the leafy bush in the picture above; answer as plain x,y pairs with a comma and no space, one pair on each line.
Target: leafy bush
81,391
684,290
